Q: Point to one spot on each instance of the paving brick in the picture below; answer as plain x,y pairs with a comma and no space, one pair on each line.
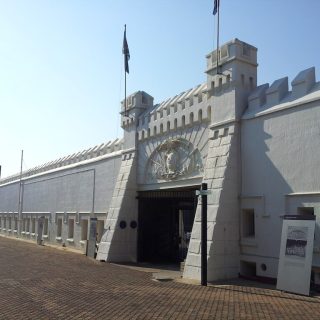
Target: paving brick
38,282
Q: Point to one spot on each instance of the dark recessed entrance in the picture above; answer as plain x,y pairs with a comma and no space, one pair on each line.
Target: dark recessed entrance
165,225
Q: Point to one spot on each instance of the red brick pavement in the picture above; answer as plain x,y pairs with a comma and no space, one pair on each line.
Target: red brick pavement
45,283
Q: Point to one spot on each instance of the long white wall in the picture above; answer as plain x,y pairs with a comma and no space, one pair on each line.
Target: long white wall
280,161
77,192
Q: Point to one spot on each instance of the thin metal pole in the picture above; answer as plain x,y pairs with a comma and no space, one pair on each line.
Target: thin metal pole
125,76
125,93
20,194
204,202
218,27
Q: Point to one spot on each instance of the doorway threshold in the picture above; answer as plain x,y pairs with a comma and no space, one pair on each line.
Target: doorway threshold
160,271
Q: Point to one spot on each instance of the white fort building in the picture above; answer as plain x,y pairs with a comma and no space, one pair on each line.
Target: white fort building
257,148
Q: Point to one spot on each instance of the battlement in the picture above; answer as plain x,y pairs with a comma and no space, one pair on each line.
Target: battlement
91,153
136,103
185,109
304,87
234,49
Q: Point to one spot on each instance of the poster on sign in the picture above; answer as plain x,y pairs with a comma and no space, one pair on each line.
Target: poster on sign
296,241
296,251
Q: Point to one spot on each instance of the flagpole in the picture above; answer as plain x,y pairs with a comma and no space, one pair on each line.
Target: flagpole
125,80
20,195
218,27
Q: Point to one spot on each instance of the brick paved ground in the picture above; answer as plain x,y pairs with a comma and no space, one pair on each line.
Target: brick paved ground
46,283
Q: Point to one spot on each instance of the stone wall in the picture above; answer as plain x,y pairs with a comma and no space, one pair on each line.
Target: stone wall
119,242
222,177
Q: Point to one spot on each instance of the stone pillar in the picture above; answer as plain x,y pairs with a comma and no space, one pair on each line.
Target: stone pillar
119,242
222,176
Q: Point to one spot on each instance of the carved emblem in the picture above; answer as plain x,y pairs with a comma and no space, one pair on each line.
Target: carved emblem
172,159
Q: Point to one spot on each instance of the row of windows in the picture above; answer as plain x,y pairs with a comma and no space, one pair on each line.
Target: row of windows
220,80
219,83
29,226
8,223
84,229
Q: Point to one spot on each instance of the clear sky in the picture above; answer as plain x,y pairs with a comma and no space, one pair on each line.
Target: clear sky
61,64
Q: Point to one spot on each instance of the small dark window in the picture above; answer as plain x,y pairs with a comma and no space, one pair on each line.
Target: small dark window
248,223
191,118
15,223
248,268
242,79
251,83
183,121
306,211
59,227
70,228
33,225
84,229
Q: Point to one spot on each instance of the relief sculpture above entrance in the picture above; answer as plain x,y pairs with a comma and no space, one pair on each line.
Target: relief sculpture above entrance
172,159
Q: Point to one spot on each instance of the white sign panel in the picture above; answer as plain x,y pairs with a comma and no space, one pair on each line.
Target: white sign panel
294,270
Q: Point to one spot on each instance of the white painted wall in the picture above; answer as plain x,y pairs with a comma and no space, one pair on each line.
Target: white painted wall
73,192
280,156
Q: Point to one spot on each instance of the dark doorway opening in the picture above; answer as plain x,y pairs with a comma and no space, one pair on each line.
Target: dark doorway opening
165,225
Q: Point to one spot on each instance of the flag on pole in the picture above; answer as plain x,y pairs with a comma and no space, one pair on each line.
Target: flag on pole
216,7
125,51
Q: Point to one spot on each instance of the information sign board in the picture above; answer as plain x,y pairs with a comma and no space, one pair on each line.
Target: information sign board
296,249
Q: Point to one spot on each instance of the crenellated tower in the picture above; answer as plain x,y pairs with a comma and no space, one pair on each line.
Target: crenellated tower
136,104
230,83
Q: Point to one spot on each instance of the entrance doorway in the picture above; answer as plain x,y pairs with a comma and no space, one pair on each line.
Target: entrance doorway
165,225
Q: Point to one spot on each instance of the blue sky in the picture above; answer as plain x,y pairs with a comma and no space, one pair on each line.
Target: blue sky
61,66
